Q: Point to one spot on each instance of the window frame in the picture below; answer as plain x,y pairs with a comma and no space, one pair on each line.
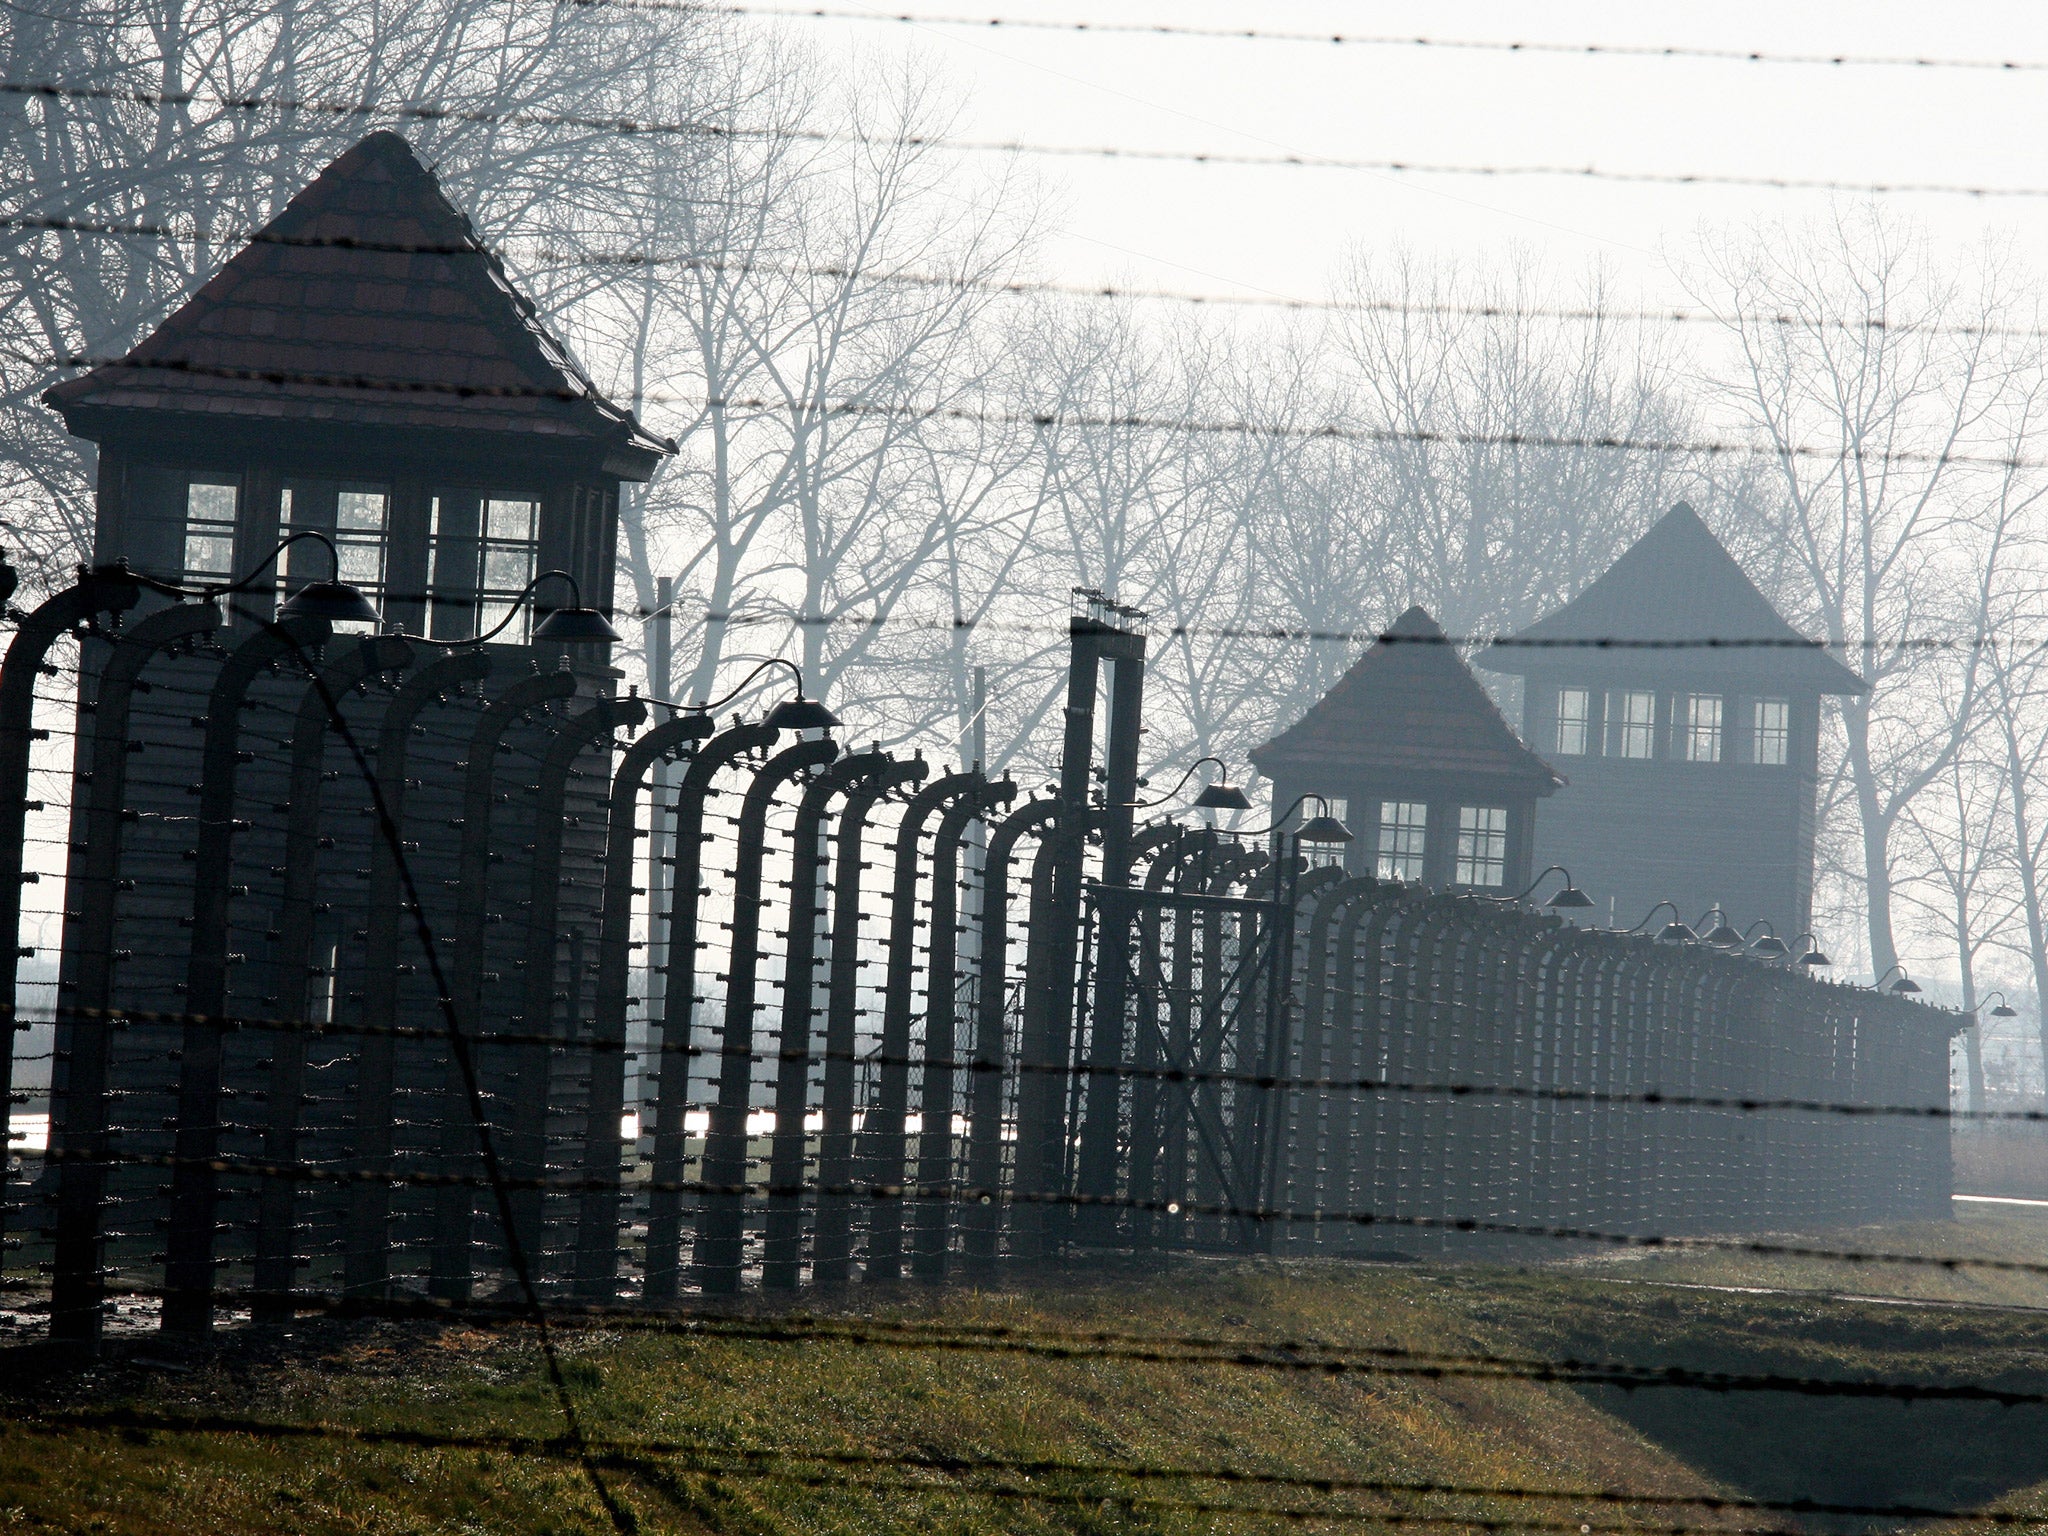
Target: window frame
1401,841
1693,733
1780,735
1623,729
211,530
1583,722
1481,846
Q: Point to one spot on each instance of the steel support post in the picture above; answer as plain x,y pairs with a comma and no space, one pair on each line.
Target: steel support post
526,1157
188,1276
83,1139
884,1138
991,1064
597,1222
462,1129
782,1246
662,1276
832,1246
932,1220
1108,1035
367,1266
721,1217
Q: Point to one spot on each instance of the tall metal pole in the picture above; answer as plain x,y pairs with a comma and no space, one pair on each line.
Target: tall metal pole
369,1256
1101,1120
721,1218
188,1274
782,1246
832,1246
83,1138
663,1268
660,838
455,1203
597,1222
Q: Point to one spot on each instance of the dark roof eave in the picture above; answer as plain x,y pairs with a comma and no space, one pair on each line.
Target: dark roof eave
1534,777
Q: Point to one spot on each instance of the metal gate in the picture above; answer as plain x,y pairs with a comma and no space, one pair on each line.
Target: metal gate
1187,1006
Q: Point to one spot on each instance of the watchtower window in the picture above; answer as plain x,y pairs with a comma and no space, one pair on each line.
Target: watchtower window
1404,829
1773,726
1482,845
355,516
1702,728
486,550
210,507
1574,721
1631,723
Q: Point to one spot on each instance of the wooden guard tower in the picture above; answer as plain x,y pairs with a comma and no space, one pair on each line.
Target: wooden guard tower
1687,713
363,366
1433,783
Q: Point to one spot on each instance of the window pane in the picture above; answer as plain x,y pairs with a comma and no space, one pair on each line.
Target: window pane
1482,845
1631,723
210,528
209,554
211,503
507,570
1773,727
1703,728
1574,720
1404,824
360,511
510,519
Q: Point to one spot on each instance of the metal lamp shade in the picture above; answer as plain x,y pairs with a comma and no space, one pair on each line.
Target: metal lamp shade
1905,985
1324,829
1721,936
1677,933
575,626
2005,1011
334,601
1571,896
801,714
1771,947
1815,956
1222,797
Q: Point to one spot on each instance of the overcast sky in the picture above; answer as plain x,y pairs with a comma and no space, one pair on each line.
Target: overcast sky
1285,231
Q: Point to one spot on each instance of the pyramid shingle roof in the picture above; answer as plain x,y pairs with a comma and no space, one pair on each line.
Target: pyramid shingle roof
1677,587
333,315
1408,704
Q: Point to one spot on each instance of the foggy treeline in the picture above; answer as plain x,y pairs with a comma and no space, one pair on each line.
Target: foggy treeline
894,466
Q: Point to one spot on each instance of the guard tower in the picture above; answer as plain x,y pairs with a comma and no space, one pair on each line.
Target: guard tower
1686,712
1433,783
365,368
362,368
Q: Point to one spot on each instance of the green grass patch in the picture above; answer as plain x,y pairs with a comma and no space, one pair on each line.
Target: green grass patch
723,1401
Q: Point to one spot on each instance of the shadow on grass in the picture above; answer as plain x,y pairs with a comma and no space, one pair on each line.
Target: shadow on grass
1937,1455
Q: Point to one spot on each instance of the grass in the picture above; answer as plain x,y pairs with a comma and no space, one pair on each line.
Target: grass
725,1397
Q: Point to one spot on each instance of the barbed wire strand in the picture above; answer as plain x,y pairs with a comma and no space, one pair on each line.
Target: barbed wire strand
549,260
829,408
1744,1104
633,126
1527,47
967,1194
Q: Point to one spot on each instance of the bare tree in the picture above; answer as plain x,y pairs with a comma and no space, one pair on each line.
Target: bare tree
1485,532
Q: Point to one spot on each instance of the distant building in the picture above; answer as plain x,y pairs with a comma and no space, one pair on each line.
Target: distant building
1419,764
1686,713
